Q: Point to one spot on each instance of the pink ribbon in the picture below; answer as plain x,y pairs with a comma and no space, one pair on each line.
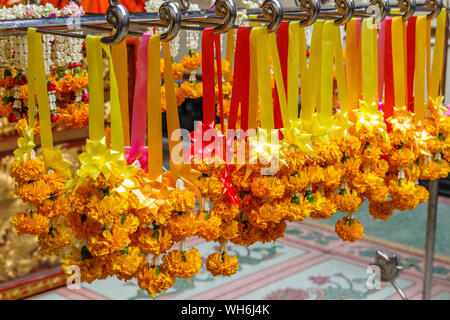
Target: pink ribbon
138,150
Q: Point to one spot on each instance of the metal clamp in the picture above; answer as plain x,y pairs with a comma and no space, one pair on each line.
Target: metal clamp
346,8
407,7
117,16
435,6
225,9
312,7
184,5
389,270
170,13
272,9
383,6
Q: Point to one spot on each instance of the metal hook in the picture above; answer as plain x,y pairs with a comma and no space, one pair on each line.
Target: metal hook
407,7
272,10
117,16
170,13
312,7
346,8
383,6
184,5
435,6
225,9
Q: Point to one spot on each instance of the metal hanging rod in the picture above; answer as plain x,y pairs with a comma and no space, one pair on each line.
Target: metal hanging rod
118,20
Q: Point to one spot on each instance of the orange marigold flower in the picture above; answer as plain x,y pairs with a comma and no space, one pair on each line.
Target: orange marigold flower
54,207
349,229
82,226
208,226
192,62
318,206
127,262
366,181
56,182
347,200
183,264
402,157
182,200
35,192
154,279
381,210
54,240
182,226
24,172
222,264
30,223
228,230
224,209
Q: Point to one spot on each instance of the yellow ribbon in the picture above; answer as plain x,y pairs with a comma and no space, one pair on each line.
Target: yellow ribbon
155,154
438,56
398,52
293,69
96,90
341,77
325,107
264,81
120,57
230,48
352,66
310,94
253,89
419,72
369,61
25,145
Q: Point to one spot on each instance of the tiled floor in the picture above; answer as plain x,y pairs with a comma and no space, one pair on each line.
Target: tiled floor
310,262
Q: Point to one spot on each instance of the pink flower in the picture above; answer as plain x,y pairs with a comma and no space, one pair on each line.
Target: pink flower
139,153
287,294
448,111
319,280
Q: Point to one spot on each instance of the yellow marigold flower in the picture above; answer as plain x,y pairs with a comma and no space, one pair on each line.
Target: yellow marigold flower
154,241
228,230
224,209
349,146
297,182
182,200
183,264
154,279
127,222
430,170
333,177
379,194
110,241
444,168
402,157
178,71
316,174
248,234
318,206
268,187
210,187
82,226
31,170
54,240
54,207
422,194
349,229
108,209
273,232
241,178
189,90
35,192
127,262
56,182
351,166
403,194
269,212
192,62
208,226
182,226
330,153
347,200
366,181
222,264
115,180
30,223
380,167
381,210
295,210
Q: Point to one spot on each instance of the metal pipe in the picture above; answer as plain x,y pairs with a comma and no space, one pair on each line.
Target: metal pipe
433,203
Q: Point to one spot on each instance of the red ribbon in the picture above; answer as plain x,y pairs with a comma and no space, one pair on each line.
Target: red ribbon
283,46
241,79
389,75
210,40
410,60
228,188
